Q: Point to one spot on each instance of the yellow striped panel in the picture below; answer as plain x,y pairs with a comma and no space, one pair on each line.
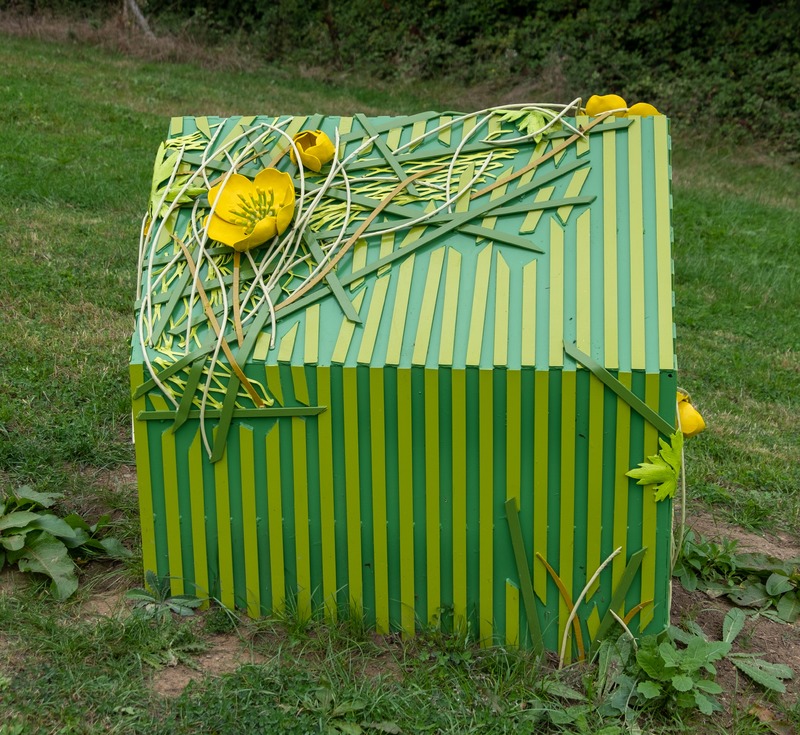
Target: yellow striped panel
462,203
274,385
175,126
300,384
610,316
513,433
432,520
252,581
469,124
593,623
400,311
583,317
275,509
529,314
582,144
422,338
345,126
346,333
405,455
512,614
501,312
573,189
666,359
417,130
541,431
311,346
359,261
393,138
143,476
224,540
556,294
594,510
649,506
326,493
537,153
479,296
567,510
374,314
301,534
286,347
379,528
622,465
490,222
172,512
532,218
448,335
352,493
444,133
637,244
261,349
196,493
459,431
159,402
486,496
387,246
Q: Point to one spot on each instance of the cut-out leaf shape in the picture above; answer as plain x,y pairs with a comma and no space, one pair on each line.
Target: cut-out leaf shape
662,469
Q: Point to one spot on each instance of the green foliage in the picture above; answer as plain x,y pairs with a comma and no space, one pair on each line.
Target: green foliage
38,541
156,601
663,469
751,580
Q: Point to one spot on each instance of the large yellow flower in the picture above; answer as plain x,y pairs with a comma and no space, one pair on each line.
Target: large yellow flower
249,213
598,104
315,148
691,421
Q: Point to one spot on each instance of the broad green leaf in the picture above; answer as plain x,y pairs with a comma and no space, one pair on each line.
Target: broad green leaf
2,559
732,624
788,607
47,555
711,687
75,521
18,519
114,548
778,584
649,658
54,525
649,689
682,682
559,689
13,543
751,594
767,674
704,704
45,500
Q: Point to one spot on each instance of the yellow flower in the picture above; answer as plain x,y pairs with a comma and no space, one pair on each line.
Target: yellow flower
316,149
642,109
691,422
249,213
598,104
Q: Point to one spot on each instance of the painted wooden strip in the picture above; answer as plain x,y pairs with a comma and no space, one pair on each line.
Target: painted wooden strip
485,525
595,482
295,126
567,492
405,455
513,433
610,309
489,223
427,310
649,506
400,311
444,133
532,218
274,385
359,261
501,309
512,614
636,246
432,515
386,249
346,333
311,346
462,203
373,321
379,527
459,504
286,347
386,148
352,493
300,384
582,144
143,475
450,310
197,499
529,314
159,402
622,484
249,521
418,130
393,138
583,317
175,127
326,495
541,430
248,413
172,512
345,126
573,190
202,126
224,540
556,358
275,506
663,243
261,350
480,293
593,623
536,154
301,533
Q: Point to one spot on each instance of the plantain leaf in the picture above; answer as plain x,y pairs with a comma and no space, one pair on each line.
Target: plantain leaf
45,554
733,624
26,492
767,674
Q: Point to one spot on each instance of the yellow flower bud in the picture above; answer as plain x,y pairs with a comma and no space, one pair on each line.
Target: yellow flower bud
691,422
598,104
315,148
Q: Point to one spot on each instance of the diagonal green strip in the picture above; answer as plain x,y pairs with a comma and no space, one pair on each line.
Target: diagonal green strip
636,403
175,294
504,237
619,596
188,395
380,144
523,572
331,279
550,204
277,412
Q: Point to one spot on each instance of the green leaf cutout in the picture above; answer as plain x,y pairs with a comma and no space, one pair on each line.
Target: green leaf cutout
663,469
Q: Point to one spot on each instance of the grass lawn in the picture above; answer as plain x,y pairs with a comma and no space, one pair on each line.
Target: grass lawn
81,127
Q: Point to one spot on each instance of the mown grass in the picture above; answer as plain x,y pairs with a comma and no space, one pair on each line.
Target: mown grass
81,127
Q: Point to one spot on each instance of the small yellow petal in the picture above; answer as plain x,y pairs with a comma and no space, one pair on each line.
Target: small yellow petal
279,182
225,232
598,104
265,230
226,195
284,217
643,109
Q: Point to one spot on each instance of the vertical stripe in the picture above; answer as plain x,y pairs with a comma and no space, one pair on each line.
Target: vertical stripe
513,434
300,384
418,130
582,144
172,512
556,294
610,249
621,487
480,292
444,133
636,244
143,475
664,241
400,311
374,314
326,493
567,510
345,126
512,614
311,346
462,202
529,314
197,495
286,347
448,333
595,480
224,540
359,261
573,189
377,436
649,507
274,386
249,520
274,503
393,138
422,337
346,332
532,218
459,473
501,312
486,512
301,534
583,318
432,520
405,456
541,430
352,494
